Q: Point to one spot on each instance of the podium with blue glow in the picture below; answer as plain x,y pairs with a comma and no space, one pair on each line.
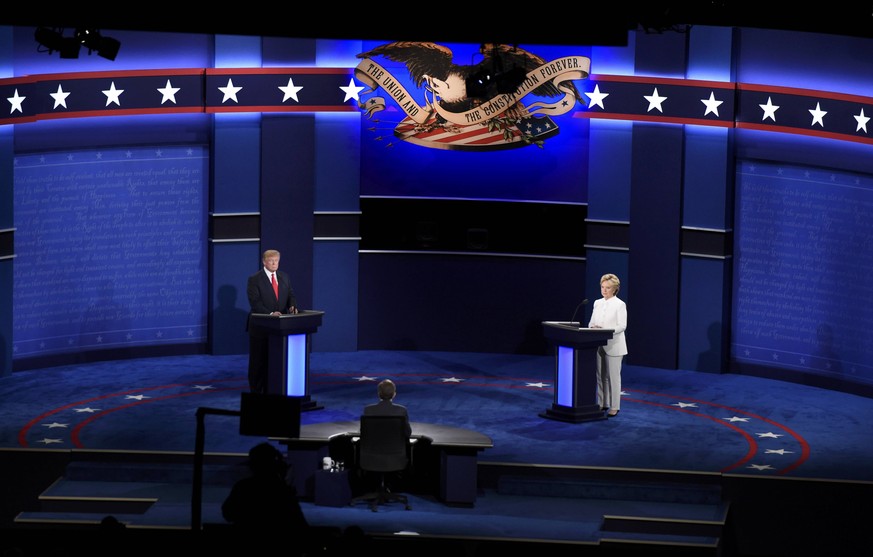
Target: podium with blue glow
575,371
288,356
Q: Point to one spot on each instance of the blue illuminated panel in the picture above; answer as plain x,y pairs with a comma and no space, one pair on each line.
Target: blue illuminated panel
295,379
564,388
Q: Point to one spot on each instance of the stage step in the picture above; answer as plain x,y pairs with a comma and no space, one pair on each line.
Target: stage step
659,491
639,508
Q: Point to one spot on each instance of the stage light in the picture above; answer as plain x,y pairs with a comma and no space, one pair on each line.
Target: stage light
54,41
107,47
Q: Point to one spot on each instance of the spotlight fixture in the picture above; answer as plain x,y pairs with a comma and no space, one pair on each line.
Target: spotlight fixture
53,40
91,39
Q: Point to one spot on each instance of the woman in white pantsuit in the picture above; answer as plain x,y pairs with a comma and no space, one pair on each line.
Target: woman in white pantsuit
609,312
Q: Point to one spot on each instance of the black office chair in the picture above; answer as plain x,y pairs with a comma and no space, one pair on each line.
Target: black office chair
383,449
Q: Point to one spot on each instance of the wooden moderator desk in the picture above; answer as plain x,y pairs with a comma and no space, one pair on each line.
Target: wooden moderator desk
445,457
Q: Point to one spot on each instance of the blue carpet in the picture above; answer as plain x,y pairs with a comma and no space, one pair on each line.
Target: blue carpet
670,420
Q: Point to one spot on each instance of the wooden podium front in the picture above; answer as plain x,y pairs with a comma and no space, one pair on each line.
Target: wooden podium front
288,356
575,371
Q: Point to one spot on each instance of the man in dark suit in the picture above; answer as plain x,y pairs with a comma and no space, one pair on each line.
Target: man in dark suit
387,390
269,292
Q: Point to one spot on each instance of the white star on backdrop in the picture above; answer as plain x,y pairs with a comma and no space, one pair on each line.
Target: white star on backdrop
86,410
655,101
769,110
204,387
229,91
737,419
136,397
777,451
351,90
15,101
686,404
596,97
711,104
53,425
113,94
817,115
769,434
538,385
862,121
60,97
168,93
49,441
365,378
290,90
451,380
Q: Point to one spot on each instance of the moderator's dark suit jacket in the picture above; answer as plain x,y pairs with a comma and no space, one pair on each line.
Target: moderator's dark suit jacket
388,408
263,300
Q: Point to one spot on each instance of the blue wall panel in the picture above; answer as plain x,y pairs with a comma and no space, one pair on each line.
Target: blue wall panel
704,293
232,263
335,276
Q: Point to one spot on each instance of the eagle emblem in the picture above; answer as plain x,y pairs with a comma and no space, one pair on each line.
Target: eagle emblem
475,106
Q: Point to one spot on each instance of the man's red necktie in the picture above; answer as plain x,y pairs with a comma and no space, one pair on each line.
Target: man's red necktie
275,285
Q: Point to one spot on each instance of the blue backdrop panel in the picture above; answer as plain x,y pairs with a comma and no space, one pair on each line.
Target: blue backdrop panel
338,162
6,202
335,273
610,174
708,200
287,196
656,203
803,299
232,263
705,295
125,232
236,159
437,302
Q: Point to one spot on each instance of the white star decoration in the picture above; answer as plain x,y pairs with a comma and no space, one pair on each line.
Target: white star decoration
862,121
136,397
86,410
711,104
49,441
229,91
761,466
538,385
769,434
54,425
655,101
817,115
113,94
769,110
15,101
351,90
737,419
365,378
777,451
451,380
204,387
596,97
290,90
60,97
686,404
168,93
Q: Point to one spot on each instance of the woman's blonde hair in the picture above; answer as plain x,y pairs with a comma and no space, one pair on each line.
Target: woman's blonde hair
612,279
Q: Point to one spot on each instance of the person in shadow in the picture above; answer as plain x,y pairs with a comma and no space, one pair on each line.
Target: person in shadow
266,501
386,406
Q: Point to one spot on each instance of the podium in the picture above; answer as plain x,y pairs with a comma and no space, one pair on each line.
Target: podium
288,354
575,371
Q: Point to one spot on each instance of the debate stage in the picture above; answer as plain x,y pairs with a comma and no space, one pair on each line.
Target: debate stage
795,461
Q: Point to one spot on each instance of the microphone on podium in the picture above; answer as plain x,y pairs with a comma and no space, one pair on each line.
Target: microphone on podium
582,303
